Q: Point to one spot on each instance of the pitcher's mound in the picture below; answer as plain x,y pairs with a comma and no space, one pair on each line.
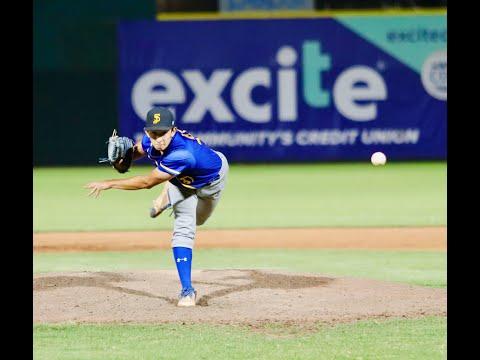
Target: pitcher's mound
226,296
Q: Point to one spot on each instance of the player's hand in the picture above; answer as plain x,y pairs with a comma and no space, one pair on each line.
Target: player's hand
97,187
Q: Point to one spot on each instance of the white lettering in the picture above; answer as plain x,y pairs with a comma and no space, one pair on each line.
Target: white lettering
207,96
287,85
248,138
356,92
326,137
144,96
242,91
345,93
390,136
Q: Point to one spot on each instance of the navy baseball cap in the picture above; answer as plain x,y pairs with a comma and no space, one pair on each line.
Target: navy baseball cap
159,118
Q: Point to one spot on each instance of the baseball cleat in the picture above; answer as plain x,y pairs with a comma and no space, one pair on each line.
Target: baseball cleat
161,203
188,297
155,211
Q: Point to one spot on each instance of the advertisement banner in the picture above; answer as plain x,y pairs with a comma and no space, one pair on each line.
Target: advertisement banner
323,89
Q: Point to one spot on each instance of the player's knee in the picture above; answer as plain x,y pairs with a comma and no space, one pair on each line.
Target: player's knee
182,241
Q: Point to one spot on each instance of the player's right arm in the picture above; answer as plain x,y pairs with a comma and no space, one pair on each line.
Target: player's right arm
133,183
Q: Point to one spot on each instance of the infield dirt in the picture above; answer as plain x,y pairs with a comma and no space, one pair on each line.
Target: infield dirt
233,296
226,297
401,238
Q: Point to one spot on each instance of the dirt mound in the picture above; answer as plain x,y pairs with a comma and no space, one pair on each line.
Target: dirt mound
225,296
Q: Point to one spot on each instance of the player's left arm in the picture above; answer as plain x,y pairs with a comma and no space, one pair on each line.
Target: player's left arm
133,183
138,151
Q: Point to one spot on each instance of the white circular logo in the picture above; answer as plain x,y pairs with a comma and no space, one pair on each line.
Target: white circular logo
434,75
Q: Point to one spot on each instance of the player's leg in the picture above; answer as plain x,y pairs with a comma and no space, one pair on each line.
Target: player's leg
184,229
209,196
161,203
205,207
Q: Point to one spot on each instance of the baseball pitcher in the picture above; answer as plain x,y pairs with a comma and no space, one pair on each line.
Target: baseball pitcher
194,176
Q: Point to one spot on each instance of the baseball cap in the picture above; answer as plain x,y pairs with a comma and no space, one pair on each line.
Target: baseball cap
159,118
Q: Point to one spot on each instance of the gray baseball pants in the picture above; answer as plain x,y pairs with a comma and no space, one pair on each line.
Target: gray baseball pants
193,207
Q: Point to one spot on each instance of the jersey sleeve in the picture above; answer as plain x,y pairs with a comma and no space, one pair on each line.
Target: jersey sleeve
176,162
146,143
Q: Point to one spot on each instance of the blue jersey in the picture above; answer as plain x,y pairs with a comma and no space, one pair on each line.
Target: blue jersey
192,162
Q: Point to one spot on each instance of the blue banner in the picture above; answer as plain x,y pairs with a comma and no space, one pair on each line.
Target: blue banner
292,89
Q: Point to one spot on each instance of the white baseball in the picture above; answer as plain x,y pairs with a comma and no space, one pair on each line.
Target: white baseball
378,158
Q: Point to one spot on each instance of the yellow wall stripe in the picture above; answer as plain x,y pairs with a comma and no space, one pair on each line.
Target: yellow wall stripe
290,14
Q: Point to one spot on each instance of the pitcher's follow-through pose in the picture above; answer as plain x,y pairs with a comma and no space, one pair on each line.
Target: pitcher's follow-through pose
195,176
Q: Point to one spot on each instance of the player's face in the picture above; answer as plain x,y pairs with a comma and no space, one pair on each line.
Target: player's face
160,139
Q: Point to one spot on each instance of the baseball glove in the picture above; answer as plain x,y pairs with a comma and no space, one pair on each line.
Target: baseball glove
120,152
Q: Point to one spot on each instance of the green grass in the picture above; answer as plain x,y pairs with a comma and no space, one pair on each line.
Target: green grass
343,194
423,338
426,268
257,196
393,339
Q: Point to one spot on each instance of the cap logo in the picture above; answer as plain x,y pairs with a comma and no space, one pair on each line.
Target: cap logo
156,118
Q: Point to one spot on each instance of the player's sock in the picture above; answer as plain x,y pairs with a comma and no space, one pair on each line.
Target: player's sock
183,260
